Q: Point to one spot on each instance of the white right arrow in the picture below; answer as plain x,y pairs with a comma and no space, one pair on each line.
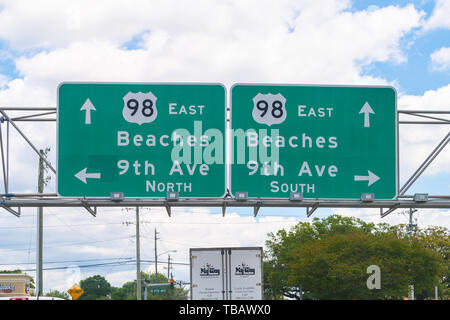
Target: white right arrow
83,175
372,178
367,110
87,106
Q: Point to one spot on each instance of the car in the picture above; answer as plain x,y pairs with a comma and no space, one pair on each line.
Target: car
30,298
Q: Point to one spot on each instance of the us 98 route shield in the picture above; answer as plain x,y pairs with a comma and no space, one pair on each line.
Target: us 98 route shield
142,139
327,142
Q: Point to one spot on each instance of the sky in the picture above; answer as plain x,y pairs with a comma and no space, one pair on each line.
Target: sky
405,44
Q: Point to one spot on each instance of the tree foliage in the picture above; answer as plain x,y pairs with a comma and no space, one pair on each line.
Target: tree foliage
98,288
128,290
57,294
95,288
328,259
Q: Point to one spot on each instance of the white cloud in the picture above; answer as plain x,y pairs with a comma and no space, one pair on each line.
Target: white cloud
417,144
440,59
244,40
440,16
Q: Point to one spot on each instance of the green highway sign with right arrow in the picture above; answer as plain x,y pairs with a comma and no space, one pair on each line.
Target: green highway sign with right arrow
327,142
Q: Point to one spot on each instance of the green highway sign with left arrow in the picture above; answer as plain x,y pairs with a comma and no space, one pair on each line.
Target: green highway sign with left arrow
142,139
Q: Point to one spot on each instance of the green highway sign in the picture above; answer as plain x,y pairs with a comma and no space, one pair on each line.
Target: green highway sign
327,142
158,290
142,139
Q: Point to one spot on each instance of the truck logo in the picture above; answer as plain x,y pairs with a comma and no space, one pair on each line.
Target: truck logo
244,270
209,270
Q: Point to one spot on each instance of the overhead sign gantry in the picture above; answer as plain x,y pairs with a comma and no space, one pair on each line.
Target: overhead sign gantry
136,144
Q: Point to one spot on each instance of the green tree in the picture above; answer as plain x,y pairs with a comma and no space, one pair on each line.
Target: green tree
335,267
437,239
58,294
95,288
11,271
281,246
328,259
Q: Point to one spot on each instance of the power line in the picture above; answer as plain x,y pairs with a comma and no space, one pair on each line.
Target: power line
107,264
68,244
64,261
151,222
118,263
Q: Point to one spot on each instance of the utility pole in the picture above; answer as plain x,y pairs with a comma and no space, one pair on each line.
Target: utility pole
138,254
156,256
138,258
412,228
168,267
39,231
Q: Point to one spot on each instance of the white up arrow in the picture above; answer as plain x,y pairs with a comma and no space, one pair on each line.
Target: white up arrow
83,175
88,106
367,110
372,178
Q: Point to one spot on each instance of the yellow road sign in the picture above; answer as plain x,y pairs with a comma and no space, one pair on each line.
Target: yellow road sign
75,291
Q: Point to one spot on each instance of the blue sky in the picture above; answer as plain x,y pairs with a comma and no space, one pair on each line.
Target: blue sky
400,43
416,76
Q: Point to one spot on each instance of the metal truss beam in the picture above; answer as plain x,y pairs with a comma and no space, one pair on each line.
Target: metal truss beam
309,212
313,204
168,209
30,116
84,203
16,213
384,214
425,164
224,209
425,114
256,208
27,140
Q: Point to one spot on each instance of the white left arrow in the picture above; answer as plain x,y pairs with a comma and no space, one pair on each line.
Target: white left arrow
88,107
371,177
83,175
367,110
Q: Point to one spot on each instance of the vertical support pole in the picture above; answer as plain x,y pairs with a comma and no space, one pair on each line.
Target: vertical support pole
39,231
138,258
224,285
7,154
5,176
156,257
